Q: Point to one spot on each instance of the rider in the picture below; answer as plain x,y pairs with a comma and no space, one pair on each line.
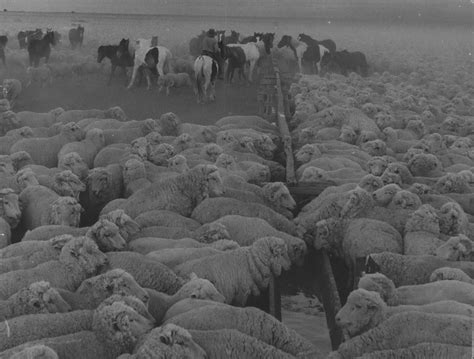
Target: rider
210,48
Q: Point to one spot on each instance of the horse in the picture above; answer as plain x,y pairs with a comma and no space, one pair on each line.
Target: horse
40,48
76,36
25,36
328,43
232,39
235,57
205,74
118,55
345,61
253,38
3,43
304,52
195,44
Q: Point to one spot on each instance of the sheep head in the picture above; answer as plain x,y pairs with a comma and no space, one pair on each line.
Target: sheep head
83,253
72,132
458,248
24,132
359,200
127,226
453,183
406,200
107,236
120,326
377,282
363,310
170,341
209,179
377,165
169,124
370,183
99,181
211,152
96,136
36,351
67,183
314,174
213,232
160,154
183,142
384,195
6,166
116,113
307,152
324,233
279,195
208,135
39,297
72,161
26,177
154,138
10,207
424,164
65,211
148,126
374,147
21,159
273,253
199,288
115,281
258,173
226,161
178,163
421,189
265,146
8,119
388,177
449,273
452,219
133,170
348,135
56,112
141,307
400,169
423,219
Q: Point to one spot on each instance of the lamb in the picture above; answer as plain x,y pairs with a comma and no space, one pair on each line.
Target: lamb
7,141
212,209
77,115
410,270
419,294
365,310
38,297
44,151
180,194
93,291
165,218
196,288
79,259
42,75
127,226
448,273
147,272
250,321
393,334
170,80
93,142
11,90
42,206
240,265
422,232
457,248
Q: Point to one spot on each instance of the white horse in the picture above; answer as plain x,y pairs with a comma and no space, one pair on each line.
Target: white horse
299,48
253,51
205,73
142,48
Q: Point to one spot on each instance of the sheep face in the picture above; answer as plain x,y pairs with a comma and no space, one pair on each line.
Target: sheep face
214,232
107,236
448,273
65,211
278,193
73,162
306,153
456,249
390,177
265,146
370,183
314,174
377,165
384,195
214,183
170,341
362,311
258,173
453,183
178,163
72,132
200,288
420,189
226,161
83,253
417,127
401,170
452,219
154,138
117,113
359,200
405,199
366,136
383,120
6,166
96,136
67,183
212,151
139,147
10,207
127,226
424,164
159,155
39,297
273,250
26,177
322,235
98,182
169,124
375,147
133,169
348,135
21,159
379,283
113,282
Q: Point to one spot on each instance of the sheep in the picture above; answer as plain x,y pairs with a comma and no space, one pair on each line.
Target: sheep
42,75
134,177
246,230
457,248
423,350
42,206
272,258
73,162
145,245
365,310
165,218
9,139
448,273
453,220
10,214
11,89
128,135
38,119
377,165
383,196
422,232
395,143
107,236
77,115
419,294
426,165
38,297
127,226
374,147
269,330
409,269
95,290
393,334
44,233
172,257
44,151
196,288
180,194
8,118
109,332
213,208
36,351
160,154
170,80
199,133
93,142
79,258
169,124
147,272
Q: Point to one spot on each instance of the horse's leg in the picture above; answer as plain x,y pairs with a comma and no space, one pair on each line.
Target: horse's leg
252,66
300,65
134,76
112,72
213,90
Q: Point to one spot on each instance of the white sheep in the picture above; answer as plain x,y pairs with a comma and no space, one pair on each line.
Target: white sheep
88,148
11,90
39,119
448,273
453,219
165,218
77,115
36,351
422,233
170,80
42,75
12,136
457,248
243,271
127,226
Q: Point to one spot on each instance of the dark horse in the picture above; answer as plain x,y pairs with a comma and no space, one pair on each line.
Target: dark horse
118,55
344,62
3,43
232,39
195,44
40,48
267,39
76,36
328,43
235,57
26,36
253,38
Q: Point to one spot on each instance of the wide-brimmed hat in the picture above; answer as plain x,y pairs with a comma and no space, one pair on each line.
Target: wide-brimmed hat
211,32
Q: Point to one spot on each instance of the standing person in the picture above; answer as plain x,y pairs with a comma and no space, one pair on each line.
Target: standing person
210,48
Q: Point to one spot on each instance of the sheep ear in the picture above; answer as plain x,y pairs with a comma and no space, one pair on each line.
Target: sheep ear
165,339
467,243
193,276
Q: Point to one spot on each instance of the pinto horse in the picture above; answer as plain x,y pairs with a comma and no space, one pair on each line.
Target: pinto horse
253,38
118,55
40,48
76,36
328,43
205,74
303,52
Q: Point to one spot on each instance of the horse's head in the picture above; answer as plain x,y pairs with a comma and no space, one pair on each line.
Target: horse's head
50,38
268,41
101,53
285,41
123,47
258,36
234,35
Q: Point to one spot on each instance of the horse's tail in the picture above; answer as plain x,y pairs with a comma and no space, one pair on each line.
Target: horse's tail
199,74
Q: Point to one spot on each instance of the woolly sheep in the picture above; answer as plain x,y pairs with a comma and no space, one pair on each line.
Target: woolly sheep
181,194
10,211
384,195
79,259
38,297
365,310
42,206
11,89
422,232
73,162
77,115
448,273
374,147
38,351
44,151
127,226
11,137
170,80
134,177
419,294
88,148
426,165
452,219
42,75
268,329
457,248
239,265
454,183
377,165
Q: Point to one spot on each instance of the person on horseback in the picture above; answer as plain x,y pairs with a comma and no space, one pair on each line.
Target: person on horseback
210,48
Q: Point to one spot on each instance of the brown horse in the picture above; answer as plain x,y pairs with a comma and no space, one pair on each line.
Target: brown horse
38,49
